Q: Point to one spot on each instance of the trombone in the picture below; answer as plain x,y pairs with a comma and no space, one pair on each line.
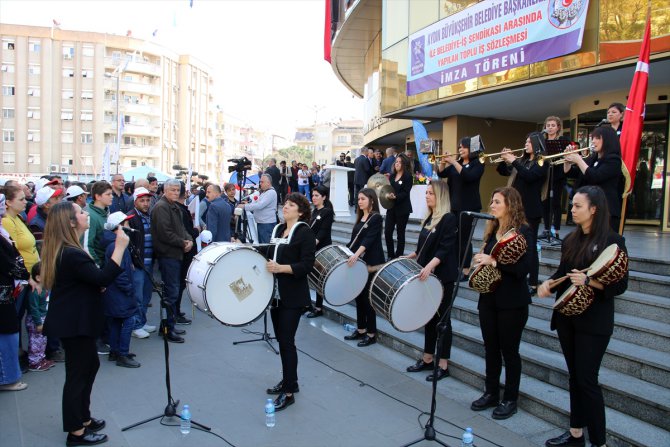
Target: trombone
483,156
542,158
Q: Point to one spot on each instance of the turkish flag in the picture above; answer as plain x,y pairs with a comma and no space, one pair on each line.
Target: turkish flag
631,134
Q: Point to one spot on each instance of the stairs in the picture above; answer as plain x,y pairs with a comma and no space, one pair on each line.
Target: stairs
635,374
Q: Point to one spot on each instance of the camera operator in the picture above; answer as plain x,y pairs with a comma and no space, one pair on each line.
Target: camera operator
264,209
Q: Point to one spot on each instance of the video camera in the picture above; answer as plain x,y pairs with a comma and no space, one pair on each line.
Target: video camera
240,164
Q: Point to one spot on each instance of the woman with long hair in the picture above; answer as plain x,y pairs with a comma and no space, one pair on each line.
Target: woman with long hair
528,178
291,263
436,253
584,337
76,313
603,169
464,174
503,313
322,224
398,215
366,243
16,227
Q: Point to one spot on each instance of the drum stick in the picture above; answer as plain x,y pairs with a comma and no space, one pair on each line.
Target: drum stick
557,281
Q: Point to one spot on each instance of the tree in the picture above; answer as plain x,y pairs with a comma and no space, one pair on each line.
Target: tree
296,153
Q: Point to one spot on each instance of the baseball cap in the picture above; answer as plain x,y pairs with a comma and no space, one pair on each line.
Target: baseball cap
140,192
74,191
118,218
44,194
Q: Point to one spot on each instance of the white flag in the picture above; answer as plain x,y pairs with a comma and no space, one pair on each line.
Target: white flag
106,170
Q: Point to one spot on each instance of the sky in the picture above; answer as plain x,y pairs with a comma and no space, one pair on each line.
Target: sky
267,56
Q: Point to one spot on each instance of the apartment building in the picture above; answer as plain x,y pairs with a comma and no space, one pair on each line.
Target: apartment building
327,140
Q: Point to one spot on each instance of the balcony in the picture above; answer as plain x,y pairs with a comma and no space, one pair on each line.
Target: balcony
140,151
141,130
134,67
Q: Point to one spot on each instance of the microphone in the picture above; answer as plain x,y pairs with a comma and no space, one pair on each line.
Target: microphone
479,215
603,122
112,227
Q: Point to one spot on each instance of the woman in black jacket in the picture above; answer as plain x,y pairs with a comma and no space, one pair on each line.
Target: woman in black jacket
321,223
601,169
436,254
366,243
291,263
528,178
584,337
398,215
503,313
464,175
76,313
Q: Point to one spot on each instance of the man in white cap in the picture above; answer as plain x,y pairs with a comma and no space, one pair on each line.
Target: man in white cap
44,199
142,252
77,195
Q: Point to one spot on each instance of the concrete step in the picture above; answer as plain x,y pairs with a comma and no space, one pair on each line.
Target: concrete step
538,397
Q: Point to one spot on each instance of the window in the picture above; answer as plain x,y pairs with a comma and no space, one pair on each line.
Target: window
133,163
87,160
68,93
33,159
8,90
34,69
116,55
87,94
66,114
8,68
8,135
132,141
110,95
68,72
8,113
33,91
88,51
34,114
34,47
65,161
86,115
68,52
110,138
8,158
66,137
87,73
86,137
128,78
8,44
33,135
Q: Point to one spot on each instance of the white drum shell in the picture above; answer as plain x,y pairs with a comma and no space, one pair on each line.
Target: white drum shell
340,284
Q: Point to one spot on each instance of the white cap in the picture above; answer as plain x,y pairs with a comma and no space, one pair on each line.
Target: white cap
44,194
206,236
118,218
141,191
74,191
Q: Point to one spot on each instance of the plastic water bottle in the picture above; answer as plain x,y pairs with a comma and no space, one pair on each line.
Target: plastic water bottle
539,252
468,439
185,420
349,327
269,413
553,231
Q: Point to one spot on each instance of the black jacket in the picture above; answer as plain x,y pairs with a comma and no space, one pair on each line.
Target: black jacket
370,237
512,293
598,319
529,180
322,224
273,172
441,243
606,173
9,321
402,188
363,167
464,186
136,239
75,303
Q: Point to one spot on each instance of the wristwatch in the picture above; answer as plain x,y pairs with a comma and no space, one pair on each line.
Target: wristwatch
587,280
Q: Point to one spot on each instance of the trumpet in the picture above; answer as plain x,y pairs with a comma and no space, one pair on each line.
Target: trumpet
542,158
483,156
433,157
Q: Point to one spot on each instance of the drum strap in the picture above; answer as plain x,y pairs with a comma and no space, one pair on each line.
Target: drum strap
365,225
277,241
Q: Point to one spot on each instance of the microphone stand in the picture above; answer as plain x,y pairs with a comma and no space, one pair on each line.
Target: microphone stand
429,433
171,407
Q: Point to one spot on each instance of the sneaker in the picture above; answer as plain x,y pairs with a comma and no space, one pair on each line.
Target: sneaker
140,333
57,356
42,366
103,348
182,320
127,362
16,386
149,328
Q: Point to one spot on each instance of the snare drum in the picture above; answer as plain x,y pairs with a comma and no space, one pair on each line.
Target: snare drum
610,266
398,295
334,279
575,300
229,282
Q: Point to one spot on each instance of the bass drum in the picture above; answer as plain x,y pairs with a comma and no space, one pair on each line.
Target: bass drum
334,279
229,282
398,295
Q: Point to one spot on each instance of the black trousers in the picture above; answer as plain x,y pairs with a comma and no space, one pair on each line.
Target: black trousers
81,367
319,301
534,225
501,330
366,318
552,210
583,355
464,228
285,323
394,220
351,193
430,331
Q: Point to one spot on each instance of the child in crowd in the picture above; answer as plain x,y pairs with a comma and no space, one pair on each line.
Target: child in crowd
37,310
119,299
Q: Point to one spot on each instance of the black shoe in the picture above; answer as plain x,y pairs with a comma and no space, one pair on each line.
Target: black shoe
127,362
182,314
505,410
86,438
486,401
283,401
367,341
420,365
441,374
113,356
532,291
316,313
277,389
182,320
103,348
174,338
95,425
565,440
179,331
355,336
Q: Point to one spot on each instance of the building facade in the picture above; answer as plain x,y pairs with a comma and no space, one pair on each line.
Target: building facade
327,140
504,105
69,95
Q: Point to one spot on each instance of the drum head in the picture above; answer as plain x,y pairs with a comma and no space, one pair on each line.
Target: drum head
603,259
239,287
345,283
415,303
